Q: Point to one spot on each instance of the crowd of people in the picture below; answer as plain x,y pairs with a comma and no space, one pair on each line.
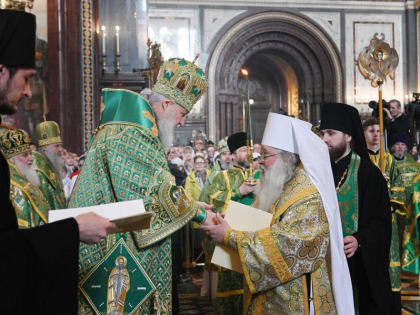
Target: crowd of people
215,174
343,225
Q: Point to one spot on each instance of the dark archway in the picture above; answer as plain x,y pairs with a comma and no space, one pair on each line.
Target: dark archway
268,43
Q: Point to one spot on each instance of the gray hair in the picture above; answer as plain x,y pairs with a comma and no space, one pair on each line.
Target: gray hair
153,97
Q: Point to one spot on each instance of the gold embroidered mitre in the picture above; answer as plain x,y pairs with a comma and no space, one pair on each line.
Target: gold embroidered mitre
182,81
222,145
48,132
14,142
18,5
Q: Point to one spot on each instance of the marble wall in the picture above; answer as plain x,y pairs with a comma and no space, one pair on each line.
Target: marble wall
189,27
360,30
418,46
40,11
179,34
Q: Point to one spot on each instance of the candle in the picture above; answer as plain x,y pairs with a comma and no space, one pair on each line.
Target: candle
308,111
117,40
248,107
243,116
103,40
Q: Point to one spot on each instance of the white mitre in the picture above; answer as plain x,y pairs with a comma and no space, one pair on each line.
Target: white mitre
295,136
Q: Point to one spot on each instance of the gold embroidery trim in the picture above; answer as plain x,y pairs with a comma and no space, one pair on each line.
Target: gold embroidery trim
258,304
305,296
398,188
394,264
212,197
315,296
228,189
12,182
247,299
407,235
48,141
23,223
243,262
416,196
226,237
230,293
401,210
150,117
410,262
294,198
274,255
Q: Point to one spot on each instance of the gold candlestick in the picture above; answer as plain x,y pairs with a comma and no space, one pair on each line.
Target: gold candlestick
103,48
117,68
250,180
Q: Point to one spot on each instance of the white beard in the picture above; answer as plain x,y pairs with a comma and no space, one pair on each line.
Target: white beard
28,171
273,180
56,161
226,165
166,126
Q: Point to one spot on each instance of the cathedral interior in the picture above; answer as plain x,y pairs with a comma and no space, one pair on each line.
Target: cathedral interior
299,54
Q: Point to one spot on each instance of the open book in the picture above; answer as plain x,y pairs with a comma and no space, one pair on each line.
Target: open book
241,218
127,215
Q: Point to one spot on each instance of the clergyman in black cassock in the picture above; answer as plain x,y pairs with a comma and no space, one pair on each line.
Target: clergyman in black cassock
39,266
361,189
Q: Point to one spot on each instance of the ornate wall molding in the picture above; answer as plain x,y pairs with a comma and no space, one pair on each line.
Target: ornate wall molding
88,32
227,40
395,5
304,57
418,47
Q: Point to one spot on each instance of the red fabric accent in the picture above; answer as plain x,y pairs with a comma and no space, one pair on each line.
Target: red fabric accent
74,174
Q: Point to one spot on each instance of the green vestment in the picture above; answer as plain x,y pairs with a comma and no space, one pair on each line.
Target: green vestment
412,243
206,244
225,187
126,161
192,186
404,191
275,260
204,196
30,205
391,174
51,184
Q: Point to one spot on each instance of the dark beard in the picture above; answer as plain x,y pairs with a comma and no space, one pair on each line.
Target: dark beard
399,156
337,152
244,163
5,107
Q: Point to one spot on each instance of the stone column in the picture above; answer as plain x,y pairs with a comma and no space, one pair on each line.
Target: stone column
227,114
412,50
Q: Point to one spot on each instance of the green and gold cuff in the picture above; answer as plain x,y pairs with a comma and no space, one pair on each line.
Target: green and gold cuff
200,215
226,238
236,195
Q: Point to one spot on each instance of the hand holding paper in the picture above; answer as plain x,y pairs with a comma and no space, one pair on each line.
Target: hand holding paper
217,231
126,215
92,227
241,218
205,205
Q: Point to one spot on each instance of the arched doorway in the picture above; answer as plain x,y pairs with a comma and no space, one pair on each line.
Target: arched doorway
293,67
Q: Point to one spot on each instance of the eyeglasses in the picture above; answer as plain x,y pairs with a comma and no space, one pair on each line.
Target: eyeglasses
199,163
263,157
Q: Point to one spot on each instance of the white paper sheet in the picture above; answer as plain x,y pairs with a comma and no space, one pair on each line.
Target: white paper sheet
241,218
111,211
